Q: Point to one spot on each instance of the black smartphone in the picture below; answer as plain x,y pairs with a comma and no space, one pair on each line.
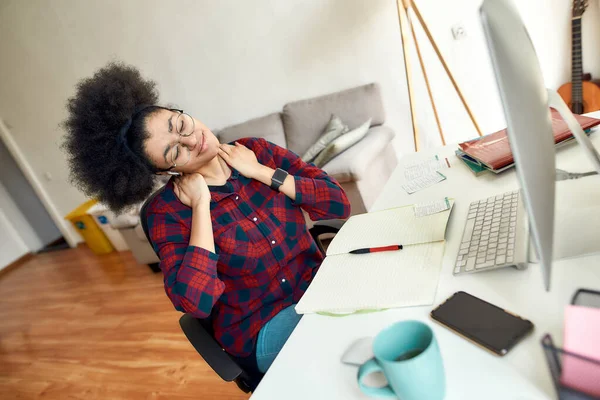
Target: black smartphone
483,323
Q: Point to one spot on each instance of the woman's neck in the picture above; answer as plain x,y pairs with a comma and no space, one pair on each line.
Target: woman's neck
215,172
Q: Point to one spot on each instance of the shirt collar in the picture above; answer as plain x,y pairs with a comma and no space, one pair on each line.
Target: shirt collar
219,192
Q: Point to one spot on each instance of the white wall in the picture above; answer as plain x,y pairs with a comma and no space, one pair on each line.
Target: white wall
549,26
26,200
16,236
20,224
11,245
226,61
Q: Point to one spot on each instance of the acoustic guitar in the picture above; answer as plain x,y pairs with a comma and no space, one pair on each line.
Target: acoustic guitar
581,94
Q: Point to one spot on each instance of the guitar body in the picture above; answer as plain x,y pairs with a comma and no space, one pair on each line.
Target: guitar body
580,94
591,97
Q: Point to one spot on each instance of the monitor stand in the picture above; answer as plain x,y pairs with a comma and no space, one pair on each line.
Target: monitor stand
577,199
556,102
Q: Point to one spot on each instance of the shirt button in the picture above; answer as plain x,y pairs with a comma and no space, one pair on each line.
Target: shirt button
272,242
237,197
254,219
283,280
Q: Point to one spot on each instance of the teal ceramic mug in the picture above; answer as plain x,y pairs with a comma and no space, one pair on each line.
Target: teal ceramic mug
409,357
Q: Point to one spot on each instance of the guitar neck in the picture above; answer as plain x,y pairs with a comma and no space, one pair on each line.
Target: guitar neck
577,60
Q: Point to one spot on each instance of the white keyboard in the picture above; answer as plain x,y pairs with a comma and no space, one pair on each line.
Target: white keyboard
495,235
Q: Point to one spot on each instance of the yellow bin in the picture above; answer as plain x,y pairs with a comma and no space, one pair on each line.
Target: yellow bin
88,229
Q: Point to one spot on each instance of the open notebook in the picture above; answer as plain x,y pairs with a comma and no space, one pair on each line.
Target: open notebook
346,283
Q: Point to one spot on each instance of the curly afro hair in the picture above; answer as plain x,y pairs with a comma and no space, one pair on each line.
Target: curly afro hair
104,164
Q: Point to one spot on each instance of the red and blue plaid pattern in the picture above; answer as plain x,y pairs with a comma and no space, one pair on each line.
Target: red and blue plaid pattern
265,258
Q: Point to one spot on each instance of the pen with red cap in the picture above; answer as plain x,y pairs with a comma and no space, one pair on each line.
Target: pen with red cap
377,249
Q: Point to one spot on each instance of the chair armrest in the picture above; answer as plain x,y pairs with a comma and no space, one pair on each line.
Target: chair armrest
326,226
209,349
350,166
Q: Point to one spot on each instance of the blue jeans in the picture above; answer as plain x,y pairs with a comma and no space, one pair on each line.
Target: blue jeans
273,336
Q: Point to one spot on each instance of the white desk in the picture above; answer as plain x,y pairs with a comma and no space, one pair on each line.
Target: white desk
309,366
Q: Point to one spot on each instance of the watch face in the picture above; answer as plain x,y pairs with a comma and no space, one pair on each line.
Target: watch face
278,177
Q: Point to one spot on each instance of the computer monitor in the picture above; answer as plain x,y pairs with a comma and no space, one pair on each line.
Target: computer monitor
526,106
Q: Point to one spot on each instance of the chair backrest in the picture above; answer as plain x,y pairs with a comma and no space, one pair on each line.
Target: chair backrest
210,350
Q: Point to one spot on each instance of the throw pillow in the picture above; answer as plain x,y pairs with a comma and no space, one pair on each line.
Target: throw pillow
341,144
332,131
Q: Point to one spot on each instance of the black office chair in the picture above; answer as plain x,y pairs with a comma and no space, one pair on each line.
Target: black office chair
200,332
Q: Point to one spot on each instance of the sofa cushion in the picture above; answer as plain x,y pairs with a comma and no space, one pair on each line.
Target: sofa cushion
334,129
352,164
304,120
341,144
268,127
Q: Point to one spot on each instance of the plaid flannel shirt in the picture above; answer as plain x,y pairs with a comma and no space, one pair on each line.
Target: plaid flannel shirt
264,256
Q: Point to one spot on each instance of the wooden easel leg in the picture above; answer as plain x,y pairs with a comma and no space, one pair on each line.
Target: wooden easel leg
437,118
403,20
439,54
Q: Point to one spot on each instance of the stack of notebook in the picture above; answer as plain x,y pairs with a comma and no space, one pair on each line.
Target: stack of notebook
492,152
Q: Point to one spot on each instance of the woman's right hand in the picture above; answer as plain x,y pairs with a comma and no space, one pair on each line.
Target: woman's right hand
191,189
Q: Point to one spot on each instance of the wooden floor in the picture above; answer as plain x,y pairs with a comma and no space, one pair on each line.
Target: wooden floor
78,326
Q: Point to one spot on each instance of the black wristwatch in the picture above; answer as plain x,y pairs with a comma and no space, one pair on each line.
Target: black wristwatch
278,178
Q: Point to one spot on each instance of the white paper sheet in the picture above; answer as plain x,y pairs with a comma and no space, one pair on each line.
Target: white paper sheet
423,182
431,207
388,227
350,282
427,167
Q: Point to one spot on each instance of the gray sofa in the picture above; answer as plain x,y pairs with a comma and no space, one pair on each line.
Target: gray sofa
363,169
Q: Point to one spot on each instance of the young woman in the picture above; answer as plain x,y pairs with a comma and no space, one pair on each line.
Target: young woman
228,227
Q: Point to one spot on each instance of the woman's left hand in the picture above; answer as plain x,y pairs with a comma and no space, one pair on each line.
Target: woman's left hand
241,158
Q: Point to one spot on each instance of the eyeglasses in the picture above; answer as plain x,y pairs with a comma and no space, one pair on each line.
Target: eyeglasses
180,153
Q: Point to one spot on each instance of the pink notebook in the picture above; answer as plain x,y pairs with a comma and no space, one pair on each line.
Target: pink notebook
582,337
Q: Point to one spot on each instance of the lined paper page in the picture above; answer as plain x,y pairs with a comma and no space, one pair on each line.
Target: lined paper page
350,282
419,169
431,207
423,182
388,227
